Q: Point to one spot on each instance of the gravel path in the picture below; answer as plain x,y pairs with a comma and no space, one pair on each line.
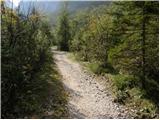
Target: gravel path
88,98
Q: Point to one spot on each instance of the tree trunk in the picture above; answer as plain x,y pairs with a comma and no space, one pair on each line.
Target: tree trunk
143,47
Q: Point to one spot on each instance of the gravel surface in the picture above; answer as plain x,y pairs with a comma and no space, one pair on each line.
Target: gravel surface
88,98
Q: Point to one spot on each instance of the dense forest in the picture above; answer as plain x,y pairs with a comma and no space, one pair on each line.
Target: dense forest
118,40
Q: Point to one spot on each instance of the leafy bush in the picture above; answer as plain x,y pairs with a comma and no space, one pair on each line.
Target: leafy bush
125,81
99,68
95,68
140,106
152,90
26,63
144,107
121,96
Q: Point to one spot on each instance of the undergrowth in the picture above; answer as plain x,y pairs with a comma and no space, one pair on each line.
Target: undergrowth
129,92
45,93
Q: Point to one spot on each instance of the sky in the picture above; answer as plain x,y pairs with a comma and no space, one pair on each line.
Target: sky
15,2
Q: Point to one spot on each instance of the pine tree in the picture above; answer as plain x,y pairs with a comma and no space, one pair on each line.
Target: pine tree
63,32
138,41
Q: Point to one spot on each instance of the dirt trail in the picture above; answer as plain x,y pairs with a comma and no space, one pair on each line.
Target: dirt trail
88,98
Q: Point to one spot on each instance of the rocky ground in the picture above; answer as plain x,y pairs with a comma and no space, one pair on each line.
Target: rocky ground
89,97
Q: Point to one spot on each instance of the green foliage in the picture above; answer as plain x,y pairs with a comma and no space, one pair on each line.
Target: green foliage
134,99
98,68
92,40
152,90
44,91
144,108
136,51
121,97
122,39
133,52
63,30
125,81
26,57
95,68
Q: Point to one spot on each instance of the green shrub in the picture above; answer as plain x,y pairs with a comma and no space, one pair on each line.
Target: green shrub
124,81
145,108
98,68
152,90
121,96
95,68
108,68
